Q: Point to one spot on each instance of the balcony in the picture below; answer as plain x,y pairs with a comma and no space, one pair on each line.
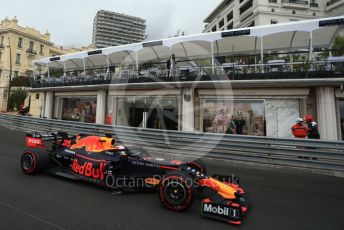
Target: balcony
247,16
313,4
245,7
31,52
333,4
299,4
2,46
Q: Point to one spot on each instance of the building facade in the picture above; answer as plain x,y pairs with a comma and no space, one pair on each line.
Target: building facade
266,109
247,13
204,94
19,46
113,29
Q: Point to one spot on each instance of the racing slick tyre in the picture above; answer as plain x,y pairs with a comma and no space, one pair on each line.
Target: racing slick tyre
34,161
177,191
198,165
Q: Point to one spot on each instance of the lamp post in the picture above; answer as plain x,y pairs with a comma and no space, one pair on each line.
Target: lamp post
10,76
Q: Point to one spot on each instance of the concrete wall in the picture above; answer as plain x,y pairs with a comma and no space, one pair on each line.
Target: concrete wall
101,107
36,104
280,115
282,106
188,113
327,113
3,98
49,105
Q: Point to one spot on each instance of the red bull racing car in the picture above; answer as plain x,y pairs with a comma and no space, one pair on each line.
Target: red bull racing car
99,159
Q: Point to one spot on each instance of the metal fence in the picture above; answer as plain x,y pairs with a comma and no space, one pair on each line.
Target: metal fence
315,155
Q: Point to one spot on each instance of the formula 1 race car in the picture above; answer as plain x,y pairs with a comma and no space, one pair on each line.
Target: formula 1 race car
100,160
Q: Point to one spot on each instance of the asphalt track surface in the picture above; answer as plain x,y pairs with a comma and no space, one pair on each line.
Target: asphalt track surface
280,199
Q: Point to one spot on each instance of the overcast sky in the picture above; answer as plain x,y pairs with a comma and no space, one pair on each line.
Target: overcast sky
70,22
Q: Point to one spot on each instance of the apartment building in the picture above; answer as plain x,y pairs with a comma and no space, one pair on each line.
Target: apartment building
113,29
231,14
19,46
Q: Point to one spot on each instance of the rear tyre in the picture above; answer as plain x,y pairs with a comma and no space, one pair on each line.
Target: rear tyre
176,191
34,161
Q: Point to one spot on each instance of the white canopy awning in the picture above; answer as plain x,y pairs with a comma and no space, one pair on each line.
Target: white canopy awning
287,37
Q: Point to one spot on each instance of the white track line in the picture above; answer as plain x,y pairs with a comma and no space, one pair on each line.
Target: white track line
30,215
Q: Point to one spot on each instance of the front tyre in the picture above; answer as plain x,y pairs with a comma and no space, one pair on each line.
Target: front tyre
176,191
34,161
199,165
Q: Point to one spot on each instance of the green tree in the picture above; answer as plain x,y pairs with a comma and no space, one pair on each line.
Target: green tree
20,81
338,46
17,98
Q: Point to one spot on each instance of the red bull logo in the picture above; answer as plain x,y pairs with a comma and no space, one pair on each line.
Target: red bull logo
93,143
88,170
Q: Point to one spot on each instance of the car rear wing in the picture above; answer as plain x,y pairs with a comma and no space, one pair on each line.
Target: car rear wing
44,139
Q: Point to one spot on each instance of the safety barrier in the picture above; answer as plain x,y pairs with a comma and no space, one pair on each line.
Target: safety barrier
326,157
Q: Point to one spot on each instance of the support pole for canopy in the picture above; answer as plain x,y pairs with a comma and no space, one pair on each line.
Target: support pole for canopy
255,54
137,61
34,71
107,64
171,72
212,58
48,70
84,66
310,45
262,53
64,68
310,55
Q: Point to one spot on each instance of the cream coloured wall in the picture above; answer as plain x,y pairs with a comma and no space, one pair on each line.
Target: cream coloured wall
37,100
10,33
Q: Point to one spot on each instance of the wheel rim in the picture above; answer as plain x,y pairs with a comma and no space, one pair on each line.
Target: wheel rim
175,192
27,162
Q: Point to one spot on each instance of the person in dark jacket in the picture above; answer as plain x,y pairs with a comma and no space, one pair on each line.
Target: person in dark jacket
312,132
239,123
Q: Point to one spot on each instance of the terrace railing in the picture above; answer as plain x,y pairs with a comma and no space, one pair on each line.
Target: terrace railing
313,4
300,2
274,69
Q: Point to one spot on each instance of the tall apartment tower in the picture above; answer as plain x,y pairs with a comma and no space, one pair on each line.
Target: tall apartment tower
113,29
231,14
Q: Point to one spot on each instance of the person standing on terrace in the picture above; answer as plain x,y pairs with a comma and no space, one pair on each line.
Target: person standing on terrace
299,130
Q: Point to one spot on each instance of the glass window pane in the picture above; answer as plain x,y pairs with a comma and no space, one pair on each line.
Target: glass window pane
76,109
242,117
148,112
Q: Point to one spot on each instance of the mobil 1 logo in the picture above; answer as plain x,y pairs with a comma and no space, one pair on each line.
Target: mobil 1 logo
220,211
